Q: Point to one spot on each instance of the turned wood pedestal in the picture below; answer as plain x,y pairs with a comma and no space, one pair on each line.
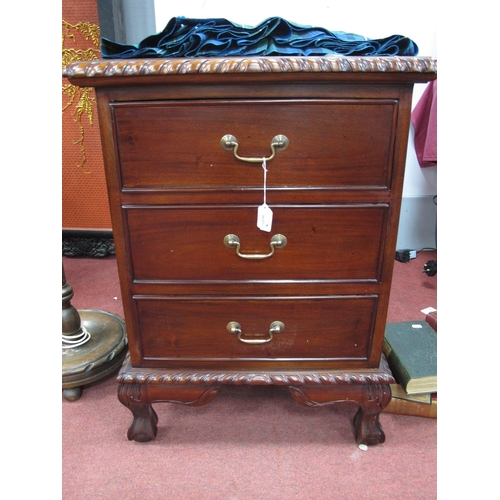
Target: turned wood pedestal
369,389
100,355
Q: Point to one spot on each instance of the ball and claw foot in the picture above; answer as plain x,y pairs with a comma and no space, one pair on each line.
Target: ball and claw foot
367,428
144,424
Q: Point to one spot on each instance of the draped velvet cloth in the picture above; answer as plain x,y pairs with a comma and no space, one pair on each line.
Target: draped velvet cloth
183,37
424,120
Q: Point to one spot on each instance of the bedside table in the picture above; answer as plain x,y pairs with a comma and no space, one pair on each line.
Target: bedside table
192,149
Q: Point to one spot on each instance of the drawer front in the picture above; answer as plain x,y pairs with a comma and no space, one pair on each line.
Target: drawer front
313,328
338,242
332,142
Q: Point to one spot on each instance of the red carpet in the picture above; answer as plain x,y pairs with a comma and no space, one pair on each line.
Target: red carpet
250,443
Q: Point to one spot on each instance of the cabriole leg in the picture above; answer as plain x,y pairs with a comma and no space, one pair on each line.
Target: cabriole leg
138,398
374,398
371,399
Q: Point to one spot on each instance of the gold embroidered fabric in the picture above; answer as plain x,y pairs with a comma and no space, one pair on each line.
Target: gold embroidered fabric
79,100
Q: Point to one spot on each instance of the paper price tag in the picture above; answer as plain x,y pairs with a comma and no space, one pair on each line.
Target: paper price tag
264,213
264,218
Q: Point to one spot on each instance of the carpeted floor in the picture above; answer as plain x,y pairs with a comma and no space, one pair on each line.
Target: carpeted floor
250,443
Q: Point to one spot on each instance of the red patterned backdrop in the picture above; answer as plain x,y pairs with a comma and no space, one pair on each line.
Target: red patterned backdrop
84,197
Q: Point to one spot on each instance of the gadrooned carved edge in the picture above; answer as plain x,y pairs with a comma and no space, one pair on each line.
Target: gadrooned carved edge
381,375
333,64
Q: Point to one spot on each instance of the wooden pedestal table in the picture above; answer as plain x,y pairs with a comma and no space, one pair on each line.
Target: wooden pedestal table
369,389
102,352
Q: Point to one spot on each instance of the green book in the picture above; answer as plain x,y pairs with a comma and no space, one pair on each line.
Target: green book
411,351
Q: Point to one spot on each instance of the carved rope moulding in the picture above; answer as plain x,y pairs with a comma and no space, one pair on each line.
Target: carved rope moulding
257,379
379,376
334,64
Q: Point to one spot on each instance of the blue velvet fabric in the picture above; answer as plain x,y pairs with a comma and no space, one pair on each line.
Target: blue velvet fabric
183,37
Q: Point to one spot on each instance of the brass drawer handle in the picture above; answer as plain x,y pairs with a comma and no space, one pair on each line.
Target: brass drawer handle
229,142
235,327
277,241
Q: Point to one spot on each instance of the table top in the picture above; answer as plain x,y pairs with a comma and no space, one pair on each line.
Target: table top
112,72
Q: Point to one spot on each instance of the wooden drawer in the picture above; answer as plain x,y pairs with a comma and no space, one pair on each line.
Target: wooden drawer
337,242
332,142
315,328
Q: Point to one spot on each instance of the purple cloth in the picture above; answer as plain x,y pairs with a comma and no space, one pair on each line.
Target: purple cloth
424,120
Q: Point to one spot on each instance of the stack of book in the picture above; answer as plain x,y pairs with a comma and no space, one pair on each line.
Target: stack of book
411,351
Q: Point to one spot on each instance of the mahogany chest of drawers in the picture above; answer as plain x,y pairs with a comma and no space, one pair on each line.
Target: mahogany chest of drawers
209,298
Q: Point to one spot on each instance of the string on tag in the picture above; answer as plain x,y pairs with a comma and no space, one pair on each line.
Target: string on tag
264,166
